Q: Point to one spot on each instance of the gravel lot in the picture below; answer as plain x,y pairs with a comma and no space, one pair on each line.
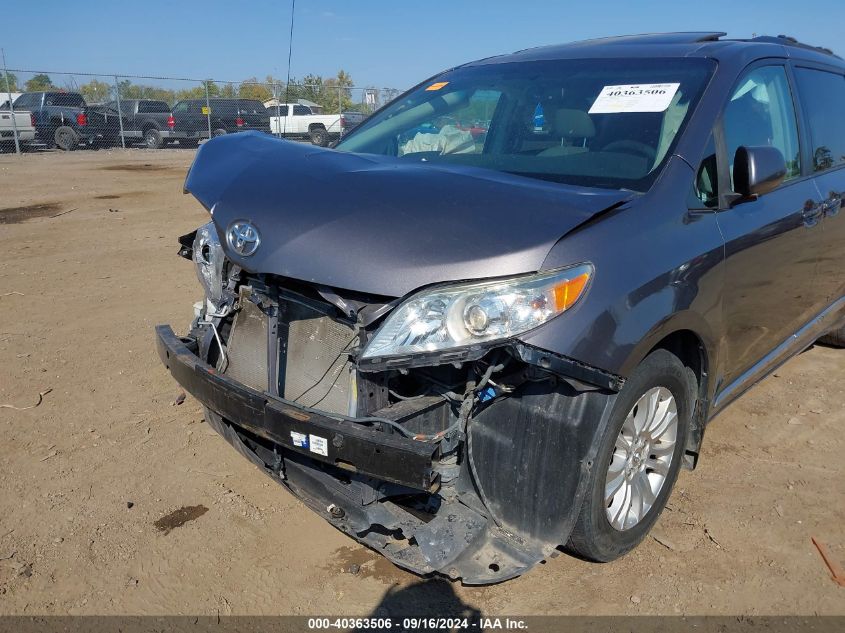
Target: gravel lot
93,476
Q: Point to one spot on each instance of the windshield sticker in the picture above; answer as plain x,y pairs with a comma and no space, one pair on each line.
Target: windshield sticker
539,118
438,85
318,445
634,98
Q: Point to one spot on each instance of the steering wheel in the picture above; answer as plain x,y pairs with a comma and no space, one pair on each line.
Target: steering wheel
631,147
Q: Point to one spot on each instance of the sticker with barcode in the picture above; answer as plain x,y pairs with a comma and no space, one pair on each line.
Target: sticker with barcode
318,445
634,98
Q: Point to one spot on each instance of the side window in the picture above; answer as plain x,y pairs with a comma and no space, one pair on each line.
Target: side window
300,110
182,106
822,94
761,112
706,188
31,100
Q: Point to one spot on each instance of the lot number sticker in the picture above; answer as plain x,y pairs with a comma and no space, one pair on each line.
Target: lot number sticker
634,98
319,445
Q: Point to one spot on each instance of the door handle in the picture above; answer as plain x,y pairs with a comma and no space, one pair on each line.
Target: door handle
833,204
812,213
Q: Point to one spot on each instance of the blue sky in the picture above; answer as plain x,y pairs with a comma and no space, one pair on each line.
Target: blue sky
379,42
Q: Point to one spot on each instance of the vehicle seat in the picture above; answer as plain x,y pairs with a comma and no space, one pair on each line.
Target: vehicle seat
574,127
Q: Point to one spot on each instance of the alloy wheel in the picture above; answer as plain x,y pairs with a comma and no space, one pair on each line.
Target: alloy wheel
642,457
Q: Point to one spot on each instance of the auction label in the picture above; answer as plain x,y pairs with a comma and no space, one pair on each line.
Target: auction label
318,445
634,98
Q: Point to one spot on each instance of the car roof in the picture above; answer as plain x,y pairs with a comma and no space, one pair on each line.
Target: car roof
708,44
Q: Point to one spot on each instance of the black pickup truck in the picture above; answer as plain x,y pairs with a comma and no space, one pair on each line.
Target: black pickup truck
148,120
64,120
226,116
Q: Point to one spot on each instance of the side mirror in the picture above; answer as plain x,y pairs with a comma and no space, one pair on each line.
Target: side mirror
758,170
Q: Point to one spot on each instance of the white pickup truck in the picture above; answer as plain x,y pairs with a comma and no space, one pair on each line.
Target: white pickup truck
293,120
24,122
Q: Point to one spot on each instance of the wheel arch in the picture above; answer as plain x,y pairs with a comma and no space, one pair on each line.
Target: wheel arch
689,338
316,126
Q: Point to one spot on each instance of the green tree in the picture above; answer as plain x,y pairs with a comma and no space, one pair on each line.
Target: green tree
38,83
96,91
11,86
198,92
252,89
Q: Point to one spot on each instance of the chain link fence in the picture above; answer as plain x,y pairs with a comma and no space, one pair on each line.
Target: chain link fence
46,110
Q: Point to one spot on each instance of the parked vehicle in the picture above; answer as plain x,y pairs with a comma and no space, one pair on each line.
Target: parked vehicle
23,124
293,120
147,120
4,99
466,350
227,116
63,119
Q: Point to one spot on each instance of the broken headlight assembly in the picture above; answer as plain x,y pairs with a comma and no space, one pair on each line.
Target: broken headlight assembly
209,258
458,315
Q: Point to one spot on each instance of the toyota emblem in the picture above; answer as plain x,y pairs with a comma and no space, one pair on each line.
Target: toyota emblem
243,238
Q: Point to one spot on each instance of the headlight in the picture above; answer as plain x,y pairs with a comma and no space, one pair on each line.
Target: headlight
463,314
209,258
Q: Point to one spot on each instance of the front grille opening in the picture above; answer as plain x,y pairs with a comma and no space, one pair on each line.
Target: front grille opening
314,368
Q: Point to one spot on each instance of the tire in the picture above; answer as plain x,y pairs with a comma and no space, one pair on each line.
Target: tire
319,136
594,536
153,139
66,138
835,338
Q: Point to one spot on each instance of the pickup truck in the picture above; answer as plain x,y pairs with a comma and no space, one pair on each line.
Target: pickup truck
23,124
293,120
64,120
147,119
191,117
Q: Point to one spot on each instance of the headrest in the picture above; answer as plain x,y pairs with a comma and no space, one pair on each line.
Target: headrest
574,124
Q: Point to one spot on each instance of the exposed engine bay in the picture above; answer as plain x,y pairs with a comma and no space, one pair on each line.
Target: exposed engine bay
468,463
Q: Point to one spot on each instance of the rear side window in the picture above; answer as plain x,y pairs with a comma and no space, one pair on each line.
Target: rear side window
153,106
65,100
822,95
761,112
31,100
224,107
301,110
251,106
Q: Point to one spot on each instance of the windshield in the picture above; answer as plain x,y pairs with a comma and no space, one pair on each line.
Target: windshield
608,123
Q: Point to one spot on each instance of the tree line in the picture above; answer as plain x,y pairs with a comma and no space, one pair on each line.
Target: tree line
329,92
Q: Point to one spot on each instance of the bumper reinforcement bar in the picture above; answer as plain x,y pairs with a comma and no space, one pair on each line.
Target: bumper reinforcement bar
340,443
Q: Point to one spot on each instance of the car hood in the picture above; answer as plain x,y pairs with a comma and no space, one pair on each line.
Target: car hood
378,224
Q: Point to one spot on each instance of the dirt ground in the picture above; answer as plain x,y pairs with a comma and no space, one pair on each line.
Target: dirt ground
115,500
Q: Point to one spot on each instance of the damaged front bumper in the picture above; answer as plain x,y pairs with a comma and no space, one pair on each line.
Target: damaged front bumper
385,491
482,508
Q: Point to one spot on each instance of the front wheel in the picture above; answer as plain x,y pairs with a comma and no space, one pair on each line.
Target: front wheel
640,454
66,138
319,136
835,338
